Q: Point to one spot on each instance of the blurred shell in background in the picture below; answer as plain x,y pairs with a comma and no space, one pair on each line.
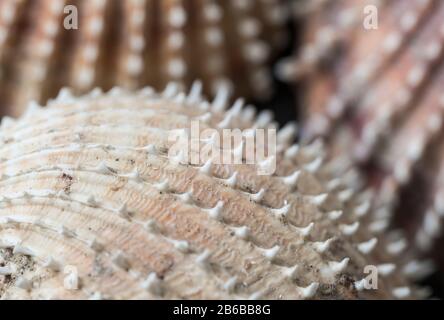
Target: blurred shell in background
132,43
376,94
92,198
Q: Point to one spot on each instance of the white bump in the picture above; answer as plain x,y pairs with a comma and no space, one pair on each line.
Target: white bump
195,92
92,201
335,215
335,107
181,245
176,68
230,285
134,65
401,292
216,212
319,200
256,295
123,211
121,261
281,212
162,186
434,123
349,229
242,232
310,291
345,195
408,21
95,245
256,52
134,176
433,50
315,165
212,12
292,152
392,42
214,36
362,209
337,267
386,269
305,231
271,253
186,197
177,17
204,259
416,76
249,27
171,90
18,249
322,246
151,226
378,226
418,270
264,118
176,40
367,246
205,118
221,99
292,179
231,182
65,94
32,108
287,133
102,168
290,272
361,284
257,197
96,296
432,224
6,271
396,247
268,165
23,283
153,284
52,264
66,232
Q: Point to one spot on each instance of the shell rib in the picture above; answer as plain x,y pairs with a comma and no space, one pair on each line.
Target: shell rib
87,184
132,43
377,96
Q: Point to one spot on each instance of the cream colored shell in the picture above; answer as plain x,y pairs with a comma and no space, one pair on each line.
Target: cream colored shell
86,185
48,44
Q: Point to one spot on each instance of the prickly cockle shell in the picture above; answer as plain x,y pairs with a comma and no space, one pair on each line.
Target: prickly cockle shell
377,95
132,43
90,197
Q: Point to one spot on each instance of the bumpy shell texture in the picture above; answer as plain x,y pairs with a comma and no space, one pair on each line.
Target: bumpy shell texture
132,43
377,95
86,184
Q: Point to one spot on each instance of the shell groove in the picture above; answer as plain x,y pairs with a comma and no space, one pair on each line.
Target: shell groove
49,44
86,184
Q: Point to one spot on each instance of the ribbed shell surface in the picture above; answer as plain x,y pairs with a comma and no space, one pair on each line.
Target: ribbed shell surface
49,44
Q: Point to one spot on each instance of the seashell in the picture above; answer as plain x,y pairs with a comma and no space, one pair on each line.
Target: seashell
375,93
82,44
94,206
